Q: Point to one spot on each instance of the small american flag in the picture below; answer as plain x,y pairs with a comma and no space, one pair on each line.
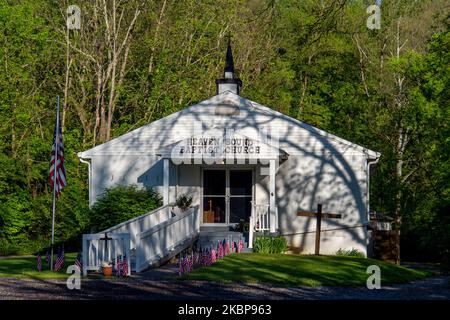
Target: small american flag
197,258
184,265
203,258
240,246
227,248
79,262
213,257
58,144
124,265
118,265
47,257
220,251
39,262
60,259
190,264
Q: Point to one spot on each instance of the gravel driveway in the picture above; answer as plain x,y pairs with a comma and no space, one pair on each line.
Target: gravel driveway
138,288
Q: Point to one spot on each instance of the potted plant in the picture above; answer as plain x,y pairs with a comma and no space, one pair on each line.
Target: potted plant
183,202
107,268
243,226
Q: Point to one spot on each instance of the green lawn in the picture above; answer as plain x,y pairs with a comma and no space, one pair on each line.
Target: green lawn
309,270
26,267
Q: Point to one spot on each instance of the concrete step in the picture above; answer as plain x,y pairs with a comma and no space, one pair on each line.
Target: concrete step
210,239
214,228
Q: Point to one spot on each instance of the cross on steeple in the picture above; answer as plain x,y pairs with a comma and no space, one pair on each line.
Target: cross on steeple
228,72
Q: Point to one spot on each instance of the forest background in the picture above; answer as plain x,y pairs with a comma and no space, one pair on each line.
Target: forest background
133,62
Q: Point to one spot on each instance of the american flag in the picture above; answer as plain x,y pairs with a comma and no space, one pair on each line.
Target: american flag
79,262
39,262
207,257
227,248
60,168
203,258
197,258
220,250
190,264
60,259
118,265
184,265
124,265
213,258
240,246
47,257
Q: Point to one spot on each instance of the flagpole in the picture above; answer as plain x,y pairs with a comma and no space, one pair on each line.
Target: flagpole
54,180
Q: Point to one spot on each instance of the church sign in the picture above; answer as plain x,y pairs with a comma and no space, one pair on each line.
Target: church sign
220,146
214,148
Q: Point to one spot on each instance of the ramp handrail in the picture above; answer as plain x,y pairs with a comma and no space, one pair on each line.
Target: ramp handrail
160,240
141,223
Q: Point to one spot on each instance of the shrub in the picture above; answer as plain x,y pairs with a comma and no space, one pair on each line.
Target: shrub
121,203
350,253
7,248
268,244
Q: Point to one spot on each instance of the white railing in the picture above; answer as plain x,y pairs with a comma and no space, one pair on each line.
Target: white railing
260,213
160,241
140,224
95,250
259,220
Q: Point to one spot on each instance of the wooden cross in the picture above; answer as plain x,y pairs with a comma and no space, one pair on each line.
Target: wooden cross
319,215
106,238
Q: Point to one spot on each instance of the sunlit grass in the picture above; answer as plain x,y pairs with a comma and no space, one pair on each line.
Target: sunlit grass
308,270
26,267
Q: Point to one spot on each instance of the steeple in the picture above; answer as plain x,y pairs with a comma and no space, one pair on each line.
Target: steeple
228,71
228,82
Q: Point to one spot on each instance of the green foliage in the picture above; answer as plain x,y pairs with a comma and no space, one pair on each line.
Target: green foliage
242,226
316,63
121,203
183,202
269,244
350,253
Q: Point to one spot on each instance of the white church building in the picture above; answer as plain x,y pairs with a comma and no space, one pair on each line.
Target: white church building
243,161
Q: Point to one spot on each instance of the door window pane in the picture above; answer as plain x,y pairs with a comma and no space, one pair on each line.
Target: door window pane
214,182
213,209
241,182
240,208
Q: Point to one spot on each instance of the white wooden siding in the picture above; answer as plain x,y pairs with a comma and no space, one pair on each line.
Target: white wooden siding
321,168
295,137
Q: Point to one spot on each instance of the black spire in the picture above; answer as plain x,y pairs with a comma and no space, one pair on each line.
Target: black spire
228,82
229,63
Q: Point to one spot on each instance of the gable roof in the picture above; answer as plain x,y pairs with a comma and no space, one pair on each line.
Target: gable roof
227,110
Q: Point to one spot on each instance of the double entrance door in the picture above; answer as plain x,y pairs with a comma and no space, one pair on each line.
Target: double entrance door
227,195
